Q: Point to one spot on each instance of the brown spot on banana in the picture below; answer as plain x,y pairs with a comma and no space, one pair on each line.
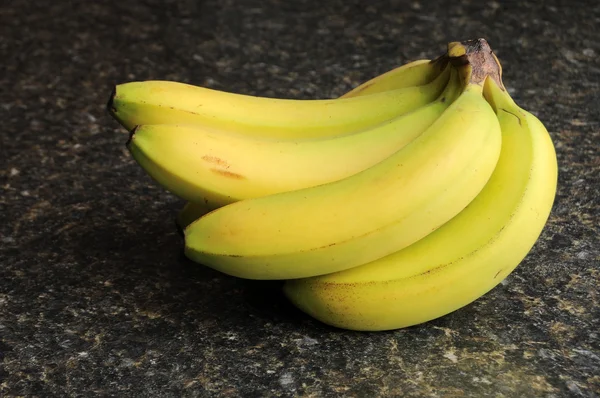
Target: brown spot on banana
227,173
215,160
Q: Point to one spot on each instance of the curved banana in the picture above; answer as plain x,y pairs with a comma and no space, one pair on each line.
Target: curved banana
166,102
415,73
215,168
363,217
463,259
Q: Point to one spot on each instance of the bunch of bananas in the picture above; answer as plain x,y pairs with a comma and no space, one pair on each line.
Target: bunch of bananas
401,201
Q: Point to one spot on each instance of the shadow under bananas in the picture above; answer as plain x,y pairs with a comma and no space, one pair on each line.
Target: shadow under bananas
124,265
136,262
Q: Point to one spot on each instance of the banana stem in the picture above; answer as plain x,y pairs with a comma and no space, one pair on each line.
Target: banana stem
477,61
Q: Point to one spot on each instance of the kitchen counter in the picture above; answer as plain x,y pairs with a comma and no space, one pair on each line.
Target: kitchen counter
96,297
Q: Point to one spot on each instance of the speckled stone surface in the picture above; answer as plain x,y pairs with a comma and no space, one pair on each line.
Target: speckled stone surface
96,298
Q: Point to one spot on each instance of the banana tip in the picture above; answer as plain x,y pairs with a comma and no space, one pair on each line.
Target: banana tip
180,228
110,104
131,135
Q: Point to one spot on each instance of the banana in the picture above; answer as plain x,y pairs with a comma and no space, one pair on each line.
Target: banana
215,168
463,259
415,73
361,218
166,102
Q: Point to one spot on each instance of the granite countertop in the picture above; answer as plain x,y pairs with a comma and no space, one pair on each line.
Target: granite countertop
96,298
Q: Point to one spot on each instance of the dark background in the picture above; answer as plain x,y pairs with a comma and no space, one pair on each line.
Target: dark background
96,298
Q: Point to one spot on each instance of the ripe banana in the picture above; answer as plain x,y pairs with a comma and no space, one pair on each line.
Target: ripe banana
361,218
383,209
463,259
415,73
166,102
215,168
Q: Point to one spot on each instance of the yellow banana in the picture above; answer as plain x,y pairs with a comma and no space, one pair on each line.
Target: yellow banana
215,168
361,218
166,102
463,259
415,73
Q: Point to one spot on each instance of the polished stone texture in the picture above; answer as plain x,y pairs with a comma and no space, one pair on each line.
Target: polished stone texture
96,298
